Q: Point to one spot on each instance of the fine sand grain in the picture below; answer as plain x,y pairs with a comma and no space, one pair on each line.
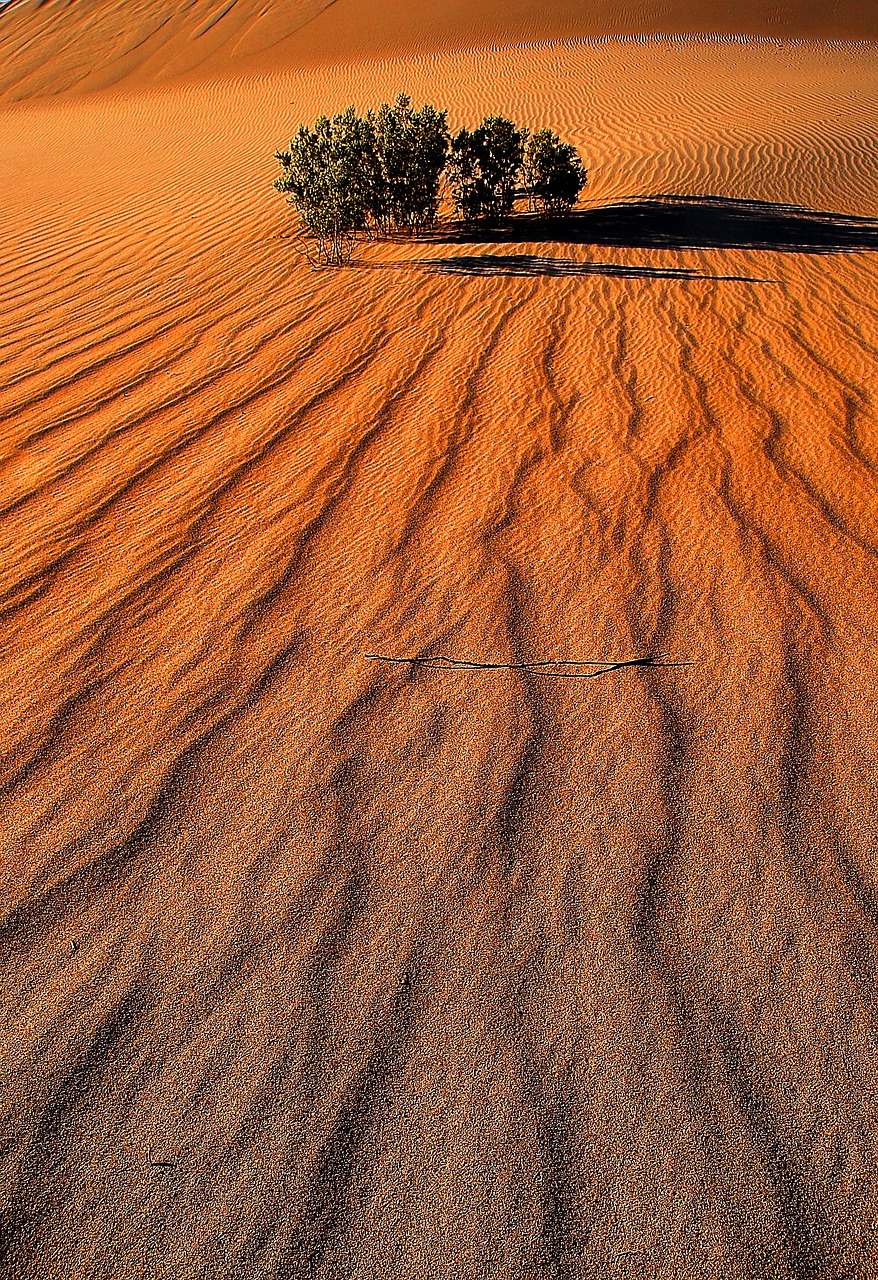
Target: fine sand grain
51,48
321,966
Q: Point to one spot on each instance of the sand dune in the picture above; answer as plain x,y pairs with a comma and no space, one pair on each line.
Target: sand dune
48,49
321,966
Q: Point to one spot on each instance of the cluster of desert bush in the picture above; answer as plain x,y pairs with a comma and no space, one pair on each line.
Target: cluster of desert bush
388,171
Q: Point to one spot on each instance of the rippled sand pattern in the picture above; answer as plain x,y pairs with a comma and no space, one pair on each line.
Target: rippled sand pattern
49,48
59,48
321,966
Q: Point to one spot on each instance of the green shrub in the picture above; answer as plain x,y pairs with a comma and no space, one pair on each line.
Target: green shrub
325,175
410,147
381,173
553,174
484,166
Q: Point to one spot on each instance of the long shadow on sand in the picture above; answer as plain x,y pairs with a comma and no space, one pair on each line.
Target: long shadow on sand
527,264
683,222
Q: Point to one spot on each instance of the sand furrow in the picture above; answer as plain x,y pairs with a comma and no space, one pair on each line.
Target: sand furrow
316,964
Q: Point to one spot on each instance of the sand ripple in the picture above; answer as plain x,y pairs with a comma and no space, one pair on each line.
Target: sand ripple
319,966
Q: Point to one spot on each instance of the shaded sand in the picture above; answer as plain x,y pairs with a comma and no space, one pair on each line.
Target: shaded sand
318,966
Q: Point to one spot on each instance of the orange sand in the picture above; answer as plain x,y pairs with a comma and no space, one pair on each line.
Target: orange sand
318,967
50,48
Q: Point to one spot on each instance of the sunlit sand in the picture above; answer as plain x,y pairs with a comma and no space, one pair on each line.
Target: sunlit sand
319,965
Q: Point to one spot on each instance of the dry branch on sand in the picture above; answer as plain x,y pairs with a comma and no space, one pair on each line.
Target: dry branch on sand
440,662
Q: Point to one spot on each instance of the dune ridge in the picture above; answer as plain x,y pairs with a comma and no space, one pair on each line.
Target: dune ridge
317,966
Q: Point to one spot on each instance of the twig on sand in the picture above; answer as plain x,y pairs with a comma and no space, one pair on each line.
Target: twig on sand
439,662
161,1164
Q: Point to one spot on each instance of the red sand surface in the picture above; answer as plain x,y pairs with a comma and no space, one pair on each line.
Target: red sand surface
320,967
55,47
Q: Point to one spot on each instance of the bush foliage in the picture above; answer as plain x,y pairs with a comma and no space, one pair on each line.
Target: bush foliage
484,168
409,149
323,175
382,173
552,172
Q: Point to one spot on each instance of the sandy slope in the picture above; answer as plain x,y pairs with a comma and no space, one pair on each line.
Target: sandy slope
60,47
323,967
